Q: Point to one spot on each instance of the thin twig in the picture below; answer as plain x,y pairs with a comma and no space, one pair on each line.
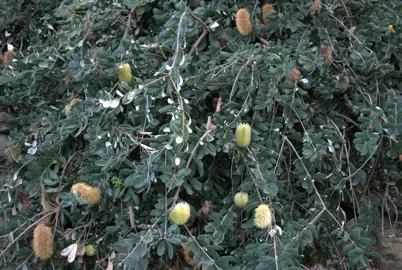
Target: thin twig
129,21
25,261
200,21
203,35
177,42
202,248
237,77
276,254
263,40
176,196
132,217
350,33
194,47
254,9
347,119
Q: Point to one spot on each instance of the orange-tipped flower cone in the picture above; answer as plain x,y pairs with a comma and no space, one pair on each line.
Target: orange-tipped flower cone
268,13
243,22
89,195
43,242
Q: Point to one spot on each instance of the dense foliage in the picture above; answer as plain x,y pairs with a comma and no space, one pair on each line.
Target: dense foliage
318,83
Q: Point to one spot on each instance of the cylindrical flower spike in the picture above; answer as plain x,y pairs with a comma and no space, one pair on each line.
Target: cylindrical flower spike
268,13
125,73
243,22
243,135
263,217
43,242
241,199
180,214
89,195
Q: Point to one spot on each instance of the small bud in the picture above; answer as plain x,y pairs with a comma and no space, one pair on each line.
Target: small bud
90,250
243,135
241,199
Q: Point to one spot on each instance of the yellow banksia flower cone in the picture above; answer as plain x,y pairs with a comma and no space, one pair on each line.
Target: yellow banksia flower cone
125,73
263,217
180,213
241,199
89,195
67,108
268,13
243,135
243,22
89,250
391,29
43,242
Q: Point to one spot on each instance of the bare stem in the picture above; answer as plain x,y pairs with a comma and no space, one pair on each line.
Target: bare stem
202,248
203,35
129,21
132,217
176,196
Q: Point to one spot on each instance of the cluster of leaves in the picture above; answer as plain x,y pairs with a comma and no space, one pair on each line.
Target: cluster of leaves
323,146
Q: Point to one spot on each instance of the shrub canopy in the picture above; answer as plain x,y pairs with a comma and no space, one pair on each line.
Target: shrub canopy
318,83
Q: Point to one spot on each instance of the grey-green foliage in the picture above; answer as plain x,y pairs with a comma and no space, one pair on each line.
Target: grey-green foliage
322,148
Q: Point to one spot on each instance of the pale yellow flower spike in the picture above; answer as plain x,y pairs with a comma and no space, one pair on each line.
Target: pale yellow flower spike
263,217
241,199
243,135
125,74
180,213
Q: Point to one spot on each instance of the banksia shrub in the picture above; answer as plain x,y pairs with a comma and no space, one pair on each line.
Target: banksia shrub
89,195
243,22
263,217
125,73
170,135
241,199
43,242
268,13
243,135
67,108
180,214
